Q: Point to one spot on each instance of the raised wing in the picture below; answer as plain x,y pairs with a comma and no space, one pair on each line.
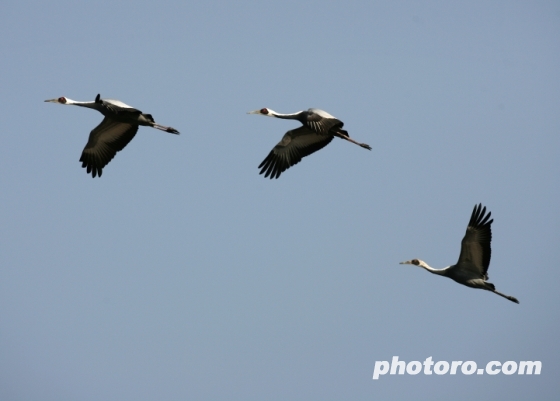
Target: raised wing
321,122
475,246
104,142
295,145
116,106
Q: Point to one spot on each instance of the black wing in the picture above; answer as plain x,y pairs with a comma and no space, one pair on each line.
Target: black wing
475,247
295,145
104,142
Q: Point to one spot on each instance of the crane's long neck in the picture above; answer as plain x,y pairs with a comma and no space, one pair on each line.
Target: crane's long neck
292,116
440,272
89,105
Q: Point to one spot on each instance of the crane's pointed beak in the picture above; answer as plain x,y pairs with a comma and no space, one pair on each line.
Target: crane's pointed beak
52,100
414,262
254,112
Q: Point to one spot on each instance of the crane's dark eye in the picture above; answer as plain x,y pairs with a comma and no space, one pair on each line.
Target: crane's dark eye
62,99
264,111
415,261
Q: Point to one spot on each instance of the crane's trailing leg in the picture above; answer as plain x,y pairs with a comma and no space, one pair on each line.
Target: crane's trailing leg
512,299
491,287
363,145
166,129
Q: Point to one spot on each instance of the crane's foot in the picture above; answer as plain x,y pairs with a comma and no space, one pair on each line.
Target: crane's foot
513,299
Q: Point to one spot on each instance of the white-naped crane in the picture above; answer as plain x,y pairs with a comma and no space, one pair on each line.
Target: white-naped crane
472,267
319,128
117,129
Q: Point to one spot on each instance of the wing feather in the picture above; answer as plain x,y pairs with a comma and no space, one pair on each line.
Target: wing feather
104,142
475,246
295,145
321,122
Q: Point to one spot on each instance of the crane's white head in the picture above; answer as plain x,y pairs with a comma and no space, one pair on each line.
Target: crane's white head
263,112
61,100
415,262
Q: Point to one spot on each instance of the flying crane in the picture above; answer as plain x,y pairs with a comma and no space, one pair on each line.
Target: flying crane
117,129
317,131
472,267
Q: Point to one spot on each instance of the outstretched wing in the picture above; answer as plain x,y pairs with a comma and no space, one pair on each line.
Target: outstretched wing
104,142
475,247
295,145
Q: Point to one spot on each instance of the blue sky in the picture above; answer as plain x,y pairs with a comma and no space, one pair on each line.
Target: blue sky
183,274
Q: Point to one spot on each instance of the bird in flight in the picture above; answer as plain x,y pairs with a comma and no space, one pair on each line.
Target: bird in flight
472,267
317,131
117,129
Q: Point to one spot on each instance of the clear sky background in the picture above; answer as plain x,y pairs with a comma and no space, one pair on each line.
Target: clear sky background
182,274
